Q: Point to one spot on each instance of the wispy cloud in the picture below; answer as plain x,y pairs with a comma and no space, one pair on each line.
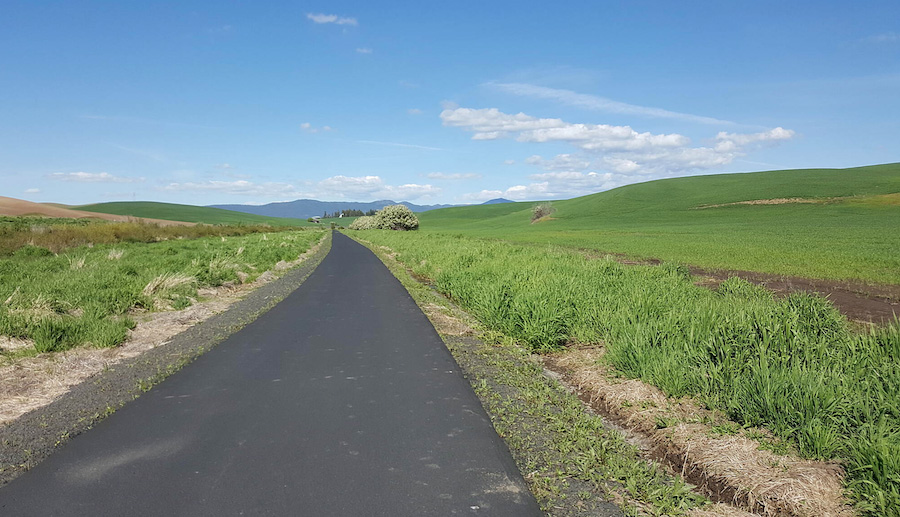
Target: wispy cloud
139,120
336,187
885,37
456,176
593,102
32,191
92,177
364,50
331,18
306,127
398,144
414,111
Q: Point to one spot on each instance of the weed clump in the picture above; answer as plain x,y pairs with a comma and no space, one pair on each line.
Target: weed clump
541,210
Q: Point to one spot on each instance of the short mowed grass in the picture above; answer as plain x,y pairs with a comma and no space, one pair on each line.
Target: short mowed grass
84,295
850,233
793,365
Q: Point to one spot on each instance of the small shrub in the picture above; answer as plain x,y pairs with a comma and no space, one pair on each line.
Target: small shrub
541,210
366,222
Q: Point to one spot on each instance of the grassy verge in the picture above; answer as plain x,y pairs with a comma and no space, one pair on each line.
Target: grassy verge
572,464
793,366
85,295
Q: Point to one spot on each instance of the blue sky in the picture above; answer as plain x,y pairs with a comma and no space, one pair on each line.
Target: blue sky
433,102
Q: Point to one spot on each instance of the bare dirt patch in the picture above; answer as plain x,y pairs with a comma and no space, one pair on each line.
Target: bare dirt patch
728,466
28,383
859,302
775,201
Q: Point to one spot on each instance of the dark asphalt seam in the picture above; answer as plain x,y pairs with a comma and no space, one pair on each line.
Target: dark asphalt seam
29,439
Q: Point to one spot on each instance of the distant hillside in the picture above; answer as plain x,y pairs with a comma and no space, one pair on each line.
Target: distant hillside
303,208
819,223
497,201
19,207
190,213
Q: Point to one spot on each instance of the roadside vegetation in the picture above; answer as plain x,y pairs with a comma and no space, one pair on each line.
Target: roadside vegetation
57,234
79,284
836,224
791,365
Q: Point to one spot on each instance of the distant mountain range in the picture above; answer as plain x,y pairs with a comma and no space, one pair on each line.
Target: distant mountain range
303,208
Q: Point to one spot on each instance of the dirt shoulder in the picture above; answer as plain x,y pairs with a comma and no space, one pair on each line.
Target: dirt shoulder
66,394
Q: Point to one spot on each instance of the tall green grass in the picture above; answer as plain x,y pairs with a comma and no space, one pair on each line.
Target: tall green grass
86,294
793,365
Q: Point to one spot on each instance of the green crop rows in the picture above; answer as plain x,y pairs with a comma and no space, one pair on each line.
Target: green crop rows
792,365
84,295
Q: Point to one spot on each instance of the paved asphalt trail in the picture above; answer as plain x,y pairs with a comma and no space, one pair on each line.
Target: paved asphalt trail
341,400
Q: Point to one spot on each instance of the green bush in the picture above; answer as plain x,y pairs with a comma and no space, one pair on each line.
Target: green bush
396,217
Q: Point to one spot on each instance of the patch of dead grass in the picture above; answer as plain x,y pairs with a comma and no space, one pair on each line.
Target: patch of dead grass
729,468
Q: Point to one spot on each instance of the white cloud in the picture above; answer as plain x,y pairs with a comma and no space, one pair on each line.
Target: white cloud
414,111
400,144
32,191
886,37
238,188
509,162
552,185
368,187
356,188
364,50
593,102
730,141
453,177
92,177
306,127
562,162
331,18
619,149
224,166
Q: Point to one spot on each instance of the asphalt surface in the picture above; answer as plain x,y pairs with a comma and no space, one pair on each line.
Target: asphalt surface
341,400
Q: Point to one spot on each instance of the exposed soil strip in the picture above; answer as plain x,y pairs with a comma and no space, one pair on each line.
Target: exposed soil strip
858,301
28,439
727,466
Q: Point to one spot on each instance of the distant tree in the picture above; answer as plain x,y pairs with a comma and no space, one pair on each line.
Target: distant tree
371,211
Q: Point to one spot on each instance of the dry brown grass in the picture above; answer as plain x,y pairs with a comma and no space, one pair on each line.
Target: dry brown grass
729,468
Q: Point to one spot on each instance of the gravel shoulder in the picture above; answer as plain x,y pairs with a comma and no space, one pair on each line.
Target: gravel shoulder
30,438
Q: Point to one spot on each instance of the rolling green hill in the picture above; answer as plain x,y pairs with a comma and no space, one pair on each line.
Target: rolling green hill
819,223
187,213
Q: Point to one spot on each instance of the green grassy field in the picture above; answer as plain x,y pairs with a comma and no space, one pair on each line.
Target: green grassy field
187,213
851,232
792,365
84,294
